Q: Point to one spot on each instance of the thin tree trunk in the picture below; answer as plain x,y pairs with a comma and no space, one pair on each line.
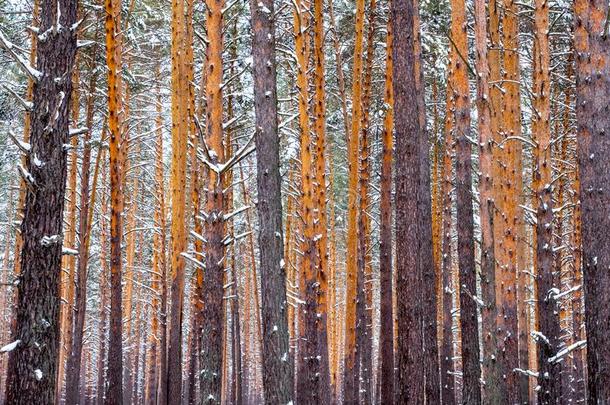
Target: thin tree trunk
386,348
350,370
114,379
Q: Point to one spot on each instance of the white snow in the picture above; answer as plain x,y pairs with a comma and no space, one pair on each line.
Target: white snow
10,347
50,240
38,374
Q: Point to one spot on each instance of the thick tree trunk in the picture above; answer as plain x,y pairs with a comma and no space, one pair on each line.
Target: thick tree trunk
213,314
278,370
592,47
178,201
410,378
32,365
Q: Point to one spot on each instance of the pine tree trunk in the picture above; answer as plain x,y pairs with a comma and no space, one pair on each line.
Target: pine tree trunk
386,348
87,196
471,372
410,378
278,370
32,365
213,313
592,48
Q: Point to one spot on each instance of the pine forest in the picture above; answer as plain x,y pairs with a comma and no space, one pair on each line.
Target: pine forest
304,202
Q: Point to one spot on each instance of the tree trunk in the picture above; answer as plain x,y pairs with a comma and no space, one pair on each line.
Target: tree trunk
386,348
471,372
350,374
278,370
213,313
32,365
592,89
410,378
114,379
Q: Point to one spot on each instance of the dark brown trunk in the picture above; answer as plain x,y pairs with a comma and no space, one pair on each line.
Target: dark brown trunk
410,378
592,47
386,348
471,371
33,363
447,363
278,370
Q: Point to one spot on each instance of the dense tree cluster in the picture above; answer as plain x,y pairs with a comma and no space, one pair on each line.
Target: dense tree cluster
305,201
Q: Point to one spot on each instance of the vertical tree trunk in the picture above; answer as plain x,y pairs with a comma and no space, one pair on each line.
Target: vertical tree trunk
350,370
494,389
447,362
426,255
510,193
213,314
32,365
386,348
410,378
114,379
278,370
471,372
319,194
104,287
548,342
73,365
592,89
486,207
365,282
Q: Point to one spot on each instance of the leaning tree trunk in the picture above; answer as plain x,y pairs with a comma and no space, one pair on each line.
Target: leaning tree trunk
592,91
278,370
33,362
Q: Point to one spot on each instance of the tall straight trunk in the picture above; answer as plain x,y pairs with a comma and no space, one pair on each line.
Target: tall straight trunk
486,207
410,378
548,310
350,374
278,370
68,277
426,265
104,287
510,193
592,89
365,282
319,194
494,389
156,351
386,348
87,196
447,363
32,365
471,371
178,200
114,379
213,314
